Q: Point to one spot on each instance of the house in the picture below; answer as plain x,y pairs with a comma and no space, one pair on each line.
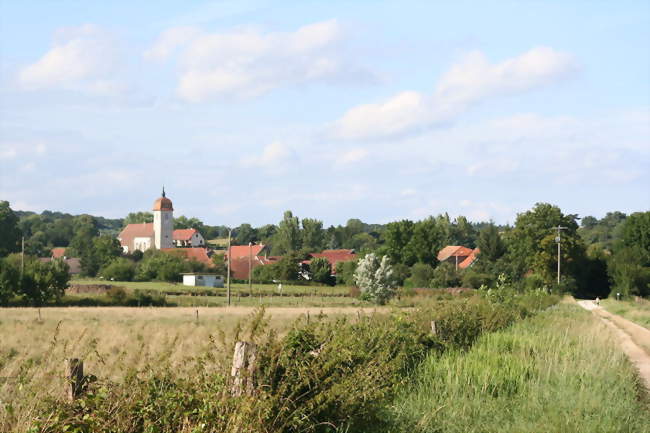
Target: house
244,251
202,279
74,263
459,256
58,252
199,254
334,257
187,238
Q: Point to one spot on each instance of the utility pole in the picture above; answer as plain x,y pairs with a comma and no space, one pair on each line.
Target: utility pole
228,276
558,239
250,268
22,262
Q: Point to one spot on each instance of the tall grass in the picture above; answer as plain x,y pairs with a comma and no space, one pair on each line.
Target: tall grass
560,371
637,312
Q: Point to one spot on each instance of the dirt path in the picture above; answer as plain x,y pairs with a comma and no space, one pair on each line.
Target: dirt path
633,338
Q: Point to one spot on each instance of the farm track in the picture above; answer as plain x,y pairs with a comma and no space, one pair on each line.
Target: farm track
632,337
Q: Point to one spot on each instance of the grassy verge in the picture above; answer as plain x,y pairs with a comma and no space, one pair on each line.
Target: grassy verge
560,371
637,312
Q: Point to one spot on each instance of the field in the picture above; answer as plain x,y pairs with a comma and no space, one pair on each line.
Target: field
561,371
637,312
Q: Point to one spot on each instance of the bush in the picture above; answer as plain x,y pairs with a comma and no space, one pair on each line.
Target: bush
474,279
421,276
117,295
444,276
321,271
119,270
345,272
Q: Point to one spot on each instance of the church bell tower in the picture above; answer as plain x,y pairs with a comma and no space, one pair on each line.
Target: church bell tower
163,222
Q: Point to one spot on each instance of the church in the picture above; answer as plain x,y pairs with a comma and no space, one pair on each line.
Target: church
160,234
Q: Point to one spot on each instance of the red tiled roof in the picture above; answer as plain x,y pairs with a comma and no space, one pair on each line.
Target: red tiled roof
183,234
242,251
198,254
470,259
239,266
138,230
453,251
335,256
58,252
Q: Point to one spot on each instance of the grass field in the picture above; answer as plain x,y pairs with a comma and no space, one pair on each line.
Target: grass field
637,312
116,340
560,371
236,288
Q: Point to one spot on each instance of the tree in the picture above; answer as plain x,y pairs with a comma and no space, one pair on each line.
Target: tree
463,233
245,234
41,281
119,269
426,240
345,272
266,232
287,267
138,218
490,244
312,235
103,251
421,275
375,279
321,271
9,232
9,281
287,239
396,237
444,276
160,266
629,270
636,231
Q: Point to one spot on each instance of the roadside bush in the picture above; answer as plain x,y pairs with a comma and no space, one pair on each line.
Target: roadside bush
120,269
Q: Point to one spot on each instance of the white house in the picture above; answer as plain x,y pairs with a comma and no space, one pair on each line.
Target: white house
188,238
202,279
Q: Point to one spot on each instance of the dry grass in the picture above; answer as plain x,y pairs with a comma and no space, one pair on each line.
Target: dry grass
113,341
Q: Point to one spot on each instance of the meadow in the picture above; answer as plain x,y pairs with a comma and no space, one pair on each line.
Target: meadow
561,371
635,311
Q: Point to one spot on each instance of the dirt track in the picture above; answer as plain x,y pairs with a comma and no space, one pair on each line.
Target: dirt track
633,338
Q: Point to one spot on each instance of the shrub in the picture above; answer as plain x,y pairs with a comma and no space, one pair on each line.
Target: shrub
117,295
375,279
445,275
474,279
321,271
119,270
421,275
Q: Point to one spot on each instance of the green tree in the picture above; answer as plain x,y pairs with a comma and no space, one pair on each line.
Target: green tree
9,232
629,270
397,236
160,266
287,267
463,233
9,281
119,269
312,235
426,241
138,218
374,278
636,231
345,272
245,234
41,281
321,271
490,244
287,239
421,275
444,276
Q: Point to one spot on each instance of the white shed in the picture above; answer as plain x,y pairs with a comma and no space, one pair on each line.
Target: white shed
202,279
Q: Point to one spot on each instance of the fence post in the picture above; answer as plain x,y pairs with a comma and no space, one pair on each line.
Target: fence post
243,367
433,327
74,374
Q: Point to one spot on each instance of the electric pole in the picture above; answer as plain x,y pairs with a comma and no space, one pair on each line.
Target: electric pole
558,239
250,268
228,276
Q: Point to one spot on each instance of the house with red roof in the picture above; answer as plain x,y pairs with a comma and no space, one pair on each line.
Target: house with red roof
459,256
187,238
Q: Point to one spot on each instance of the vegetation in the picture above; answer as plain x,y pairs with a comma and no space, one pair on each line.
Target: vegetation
374,277
635,311
535,376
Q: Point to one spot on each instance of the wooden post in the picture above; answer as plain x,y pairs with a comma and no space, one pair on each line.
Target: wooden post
243,367
197,317
433,327
74,374
308,317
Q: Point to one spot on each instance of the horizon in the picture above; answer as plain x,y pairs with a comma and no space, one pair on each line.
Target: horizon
379,111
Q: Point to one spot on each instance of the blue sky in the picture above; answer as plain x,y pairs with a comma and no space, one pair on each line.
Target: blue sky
371,110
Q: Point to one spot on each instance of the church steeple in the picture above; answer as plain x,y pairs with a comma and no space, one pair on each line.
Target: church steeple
163,193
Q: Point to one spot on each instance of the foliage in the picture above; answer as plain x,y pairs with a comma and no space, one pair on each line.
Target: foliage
321,271
9,232
138,218
245,234
636,231
313,239
160,266
40,281
490,243
474,279
629,270
345,272
287,239
421,275
444,276
120,269
375,279
9,281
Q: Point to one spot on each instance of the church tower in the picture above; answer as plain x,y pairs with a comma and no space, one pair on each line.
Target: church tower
163,222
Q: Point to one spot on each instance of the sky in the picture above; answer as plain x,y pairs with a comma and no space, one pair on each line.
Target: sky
378,110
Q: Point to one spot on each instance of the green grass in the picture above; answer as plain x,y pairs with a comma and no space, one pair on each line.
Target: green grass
637,312
560,371
264,289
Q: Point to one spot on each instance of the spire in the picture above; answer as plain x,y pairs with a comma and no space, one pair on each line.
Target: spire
163,191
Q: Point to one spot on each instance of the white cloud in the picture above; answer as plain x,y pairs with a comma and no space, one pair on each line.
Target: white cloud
248,62
353,155
80,58
169,41
275,157
468,82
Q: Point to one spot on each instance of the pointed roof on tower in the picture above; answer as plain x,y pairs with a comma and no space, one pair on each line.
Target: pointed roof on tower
163,203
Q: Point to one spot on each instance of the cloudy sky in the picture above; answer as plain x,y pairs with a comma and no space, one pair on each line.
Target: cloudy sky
374,110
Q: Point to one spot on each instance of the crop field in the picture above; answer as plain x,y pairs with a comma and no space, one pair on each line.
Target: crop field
637,312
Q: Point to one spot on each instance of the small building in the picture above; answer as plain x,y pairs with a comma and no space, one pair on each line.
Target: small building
459,256
202,279
188,238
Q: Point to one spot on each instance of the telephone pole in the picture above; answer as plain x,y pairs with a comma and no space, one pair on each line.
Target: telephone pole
250,268
228,276
558,239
